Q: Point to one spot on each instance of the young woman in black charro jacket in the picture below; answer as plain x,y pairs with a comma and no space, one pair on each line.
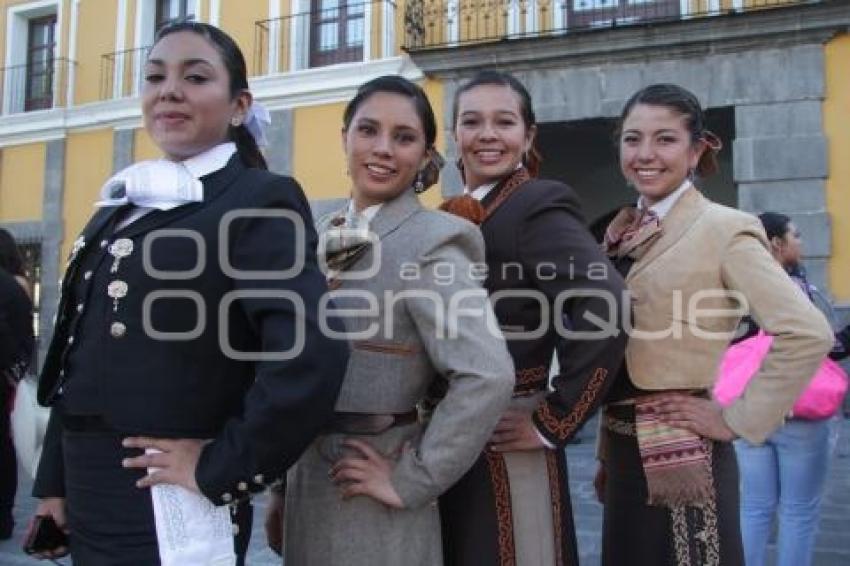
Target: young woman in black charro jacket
188,325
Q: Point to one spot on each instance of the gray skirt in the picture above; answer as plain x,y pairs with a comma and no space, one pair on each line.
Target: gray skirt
323,530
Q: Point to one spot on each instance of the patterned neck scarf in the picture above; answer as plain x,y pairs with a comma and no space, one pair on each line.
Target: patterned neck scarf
345,237
632,232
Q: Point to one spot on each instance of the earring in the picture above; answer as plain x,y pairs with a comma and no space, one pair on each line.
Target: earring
691,174
236,121
419,184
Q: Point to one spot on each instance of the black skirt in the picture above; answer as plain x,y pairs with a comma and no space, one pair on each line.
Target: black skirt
635,533
111,520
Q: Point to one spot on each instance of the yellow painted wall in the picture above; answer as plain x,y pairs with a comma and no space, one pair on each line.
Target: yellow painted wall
22,182
88,163
836,125
319,161
238,19
434,89
96,33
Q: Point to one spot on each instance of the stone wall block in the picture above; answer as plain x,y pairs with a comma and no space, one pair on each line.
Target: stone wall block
279,152
564,94
780,158
801,117
782,196
123,142
815,230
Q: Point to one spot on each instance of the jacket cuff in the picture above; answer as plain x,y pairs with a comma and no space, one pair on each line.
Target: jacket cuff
225,486
413,491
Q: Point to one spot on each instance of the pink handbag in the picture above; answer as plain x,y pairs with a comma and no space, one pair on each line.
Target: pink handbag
820,400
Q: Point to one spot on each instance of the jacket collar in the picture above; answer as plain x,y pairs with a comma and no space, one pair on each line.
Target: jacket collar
214,186
393,213
681,218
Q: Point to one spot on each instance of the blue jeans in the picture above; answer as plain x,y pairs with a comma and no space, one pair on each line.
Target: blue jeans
786,474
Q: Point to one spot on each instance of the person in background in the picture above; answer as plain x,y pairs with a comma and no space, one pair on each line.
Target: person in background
554,291
667,473
786,475
188,366
16,349
364,493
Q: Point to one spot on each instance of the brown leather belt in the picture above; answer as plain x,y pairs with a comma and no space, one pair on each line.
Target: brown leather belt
368,423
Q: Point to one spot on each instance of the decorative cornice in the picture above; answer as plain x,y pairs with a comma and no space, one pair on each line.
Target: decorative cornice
794,25
322,85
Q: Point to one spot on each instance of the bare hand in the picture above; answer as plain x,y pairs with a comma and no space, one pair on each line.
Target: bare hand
700,416
367,474
274,523
599,482
51,507
174,464
515,431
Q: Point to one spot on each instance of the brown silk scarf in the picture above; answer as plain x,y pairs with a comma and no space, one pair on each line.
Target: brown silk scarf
468,207
632,232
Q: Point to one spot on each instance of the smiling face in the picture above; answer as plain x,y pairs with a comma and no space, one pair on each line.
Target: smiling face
656,151
490,133
186,99
385,147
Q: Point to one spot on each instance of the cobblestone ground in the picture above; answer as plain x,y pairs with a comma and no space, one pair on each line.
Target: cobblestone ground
833,543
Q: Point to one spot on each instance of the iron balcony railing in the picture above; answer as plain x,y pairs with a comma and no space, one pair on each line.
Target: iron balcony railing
441,23
121,72
37,85
340,31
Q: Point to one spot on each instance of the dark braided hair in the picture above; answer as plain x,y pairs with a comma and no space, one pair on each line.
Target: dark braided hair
684,102
531,161
234,62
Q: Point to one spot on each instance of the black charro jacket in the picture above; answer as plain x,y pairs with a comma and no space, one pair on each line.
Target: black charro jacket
239,271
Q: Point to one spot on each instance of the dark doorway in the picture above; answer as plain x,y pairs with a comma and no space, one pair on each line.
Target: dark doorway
582,153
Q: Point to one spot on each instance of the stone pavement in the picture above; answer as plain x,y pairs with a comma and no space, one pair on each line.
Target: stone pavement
833,543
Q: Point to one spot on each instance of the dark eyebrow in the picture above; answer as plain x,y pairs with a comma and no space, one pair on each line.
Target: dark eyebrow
186,63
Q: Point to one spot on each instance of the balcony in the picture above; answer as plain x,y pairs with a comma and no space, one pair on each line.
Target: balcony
431,24
38,85
329,33
121,73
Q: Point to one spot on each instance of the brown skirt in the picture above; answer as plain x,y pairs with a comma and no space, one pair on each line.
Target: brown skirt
634,532
510,509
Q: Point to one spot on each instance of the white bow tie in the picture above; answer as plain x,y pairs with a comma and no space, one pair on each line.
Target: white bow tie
160,184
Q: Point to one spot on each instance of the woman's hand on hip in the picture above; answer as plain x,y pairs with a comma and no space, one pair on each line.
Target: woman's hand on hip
172,461
700,416
515,431
368,473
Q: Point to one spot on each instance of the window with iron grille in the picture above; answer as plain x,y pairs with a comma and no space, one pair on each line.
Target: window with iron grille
336,31
41,42
170,11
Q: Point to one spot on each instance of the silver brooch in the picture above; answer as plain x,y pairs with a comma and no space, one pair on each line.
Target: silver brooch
119,249
117,290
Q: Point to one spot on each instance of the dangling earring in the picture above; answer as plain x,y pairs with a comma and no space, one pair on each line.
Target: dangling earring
691,174
236,121
419,184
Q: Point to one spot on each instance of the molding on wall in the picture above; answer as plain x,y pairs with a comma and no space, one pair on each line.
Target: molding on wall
301,88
